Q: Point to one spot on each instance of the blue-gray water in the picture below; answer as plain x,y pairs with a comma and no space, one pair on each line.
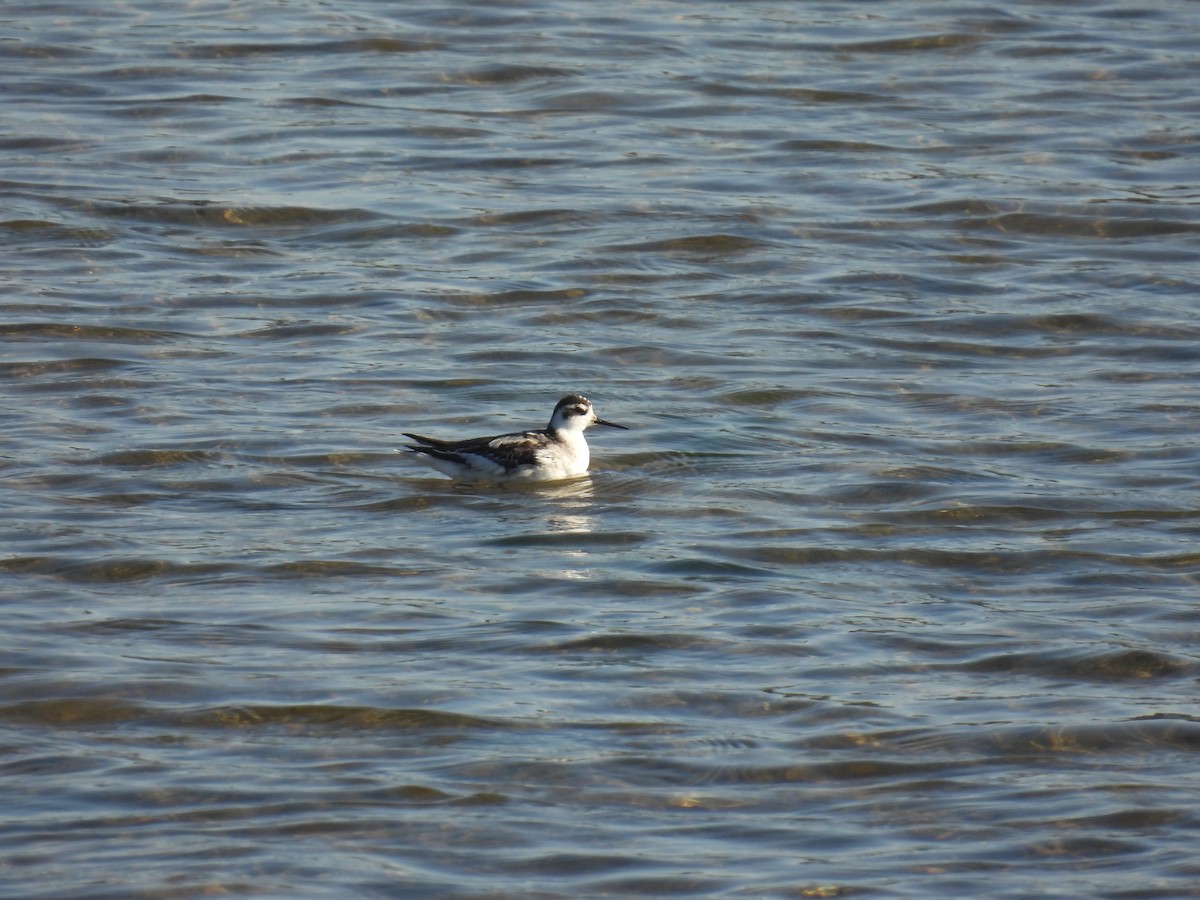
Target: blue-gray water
890,591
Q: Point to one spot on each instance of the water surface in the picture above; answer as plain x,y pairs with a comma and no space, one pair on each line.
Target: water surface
888,591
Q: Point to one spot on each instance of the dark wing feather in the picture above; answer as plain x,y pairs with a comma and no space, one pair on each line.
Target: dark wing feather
509,451
428,441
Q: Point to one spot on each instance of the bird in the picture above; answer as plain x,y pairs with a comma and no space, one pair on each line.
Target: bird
555,452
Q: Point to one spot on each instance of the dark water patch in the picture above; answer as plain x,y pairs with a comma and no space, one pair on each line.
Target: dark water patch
1095,324
931,474
1076,326
325,103
430,494
46,766
125,625
594,100
797,95
513,356
893,295
698,703
78,332
1132,819
139,73
24,232
1065,225
379,44
438,135
395,231
1118,737
656,355
322,569
850,313
336,459
198,99
62,88
329,720
28,49
382,44
573,539
125,570
245,250
296,300
506,74
769,397
864,440
984,515
515,299
990,562
166,109
305,331
444,162
879,493
637,644
1105,666
127,498
1139,377
337,719
649,885
175,156
643,589
965,353
146,458
920,43
1167,360
605,315
706,246
207,214
86,366
552,218
703,568
837,147
864,769
88,712
1045,451
989,744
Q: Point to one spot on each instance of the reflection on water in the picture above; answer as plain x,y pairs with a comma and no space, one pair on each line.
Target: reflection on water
572,504
889,592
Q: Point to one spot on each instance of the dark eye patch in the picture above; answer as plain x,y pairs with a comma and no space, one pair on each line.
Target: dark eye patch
576,410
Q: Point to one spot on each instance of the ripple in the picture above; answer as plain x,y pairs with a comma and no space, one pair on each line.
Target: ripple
158,458
93,712
27,229
40,368
503,75
634,643
107,571
1114,665
310,569
217,215
1006,741
1081,226
703,246
915,44
515,298
996,562
354,46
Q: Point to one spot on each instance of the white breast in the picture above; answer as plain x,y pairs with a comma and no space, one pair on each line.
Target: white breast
563,459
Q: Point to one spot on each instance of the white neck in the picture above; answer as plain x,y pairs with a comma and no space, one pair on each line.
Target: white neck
573,451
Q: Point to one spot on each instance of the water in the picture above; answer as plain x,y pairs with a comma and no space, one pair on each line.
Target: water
889,591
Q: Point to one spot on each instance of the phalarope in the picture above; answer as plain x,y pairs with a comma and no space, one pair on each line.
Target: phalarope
557,451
